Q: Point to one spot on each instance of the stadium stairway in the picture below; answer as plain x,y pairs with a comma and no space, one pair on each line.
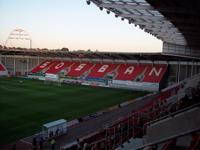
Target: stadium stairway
78,69
87,72
113,73
140,75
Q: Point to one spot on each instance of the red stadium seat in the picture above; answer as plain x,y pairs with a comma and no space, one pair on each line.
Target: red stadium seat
57,66
195,142
154,73
129,71
2,68
171,144
100,70
78,69
42,66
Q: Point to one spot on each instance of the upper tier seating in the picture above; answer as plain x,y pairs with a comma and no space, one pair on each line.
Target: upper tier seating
78,69
42,66
57,66
100,70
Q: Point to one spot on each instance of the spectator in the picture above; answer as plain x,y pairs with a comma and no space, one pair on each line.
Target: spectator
14,147
78,144
51,134
196,96
41,142
34,142
85,146
173,108
187,99
57,132
53,142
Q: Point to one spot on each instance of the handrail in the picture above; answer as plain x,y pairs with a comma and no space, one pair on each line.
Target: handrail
172,114
168,138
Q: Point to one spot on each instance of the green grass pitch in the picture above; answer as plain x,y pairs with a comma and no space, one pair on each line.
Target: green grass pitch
27,104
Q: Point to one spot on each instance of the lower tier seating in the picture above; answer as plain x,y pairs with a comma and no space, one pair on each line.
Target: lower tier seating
123,72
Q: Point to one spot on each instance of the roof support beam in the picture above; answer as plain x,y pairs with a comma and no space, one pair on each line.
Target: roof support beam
125,6
156,18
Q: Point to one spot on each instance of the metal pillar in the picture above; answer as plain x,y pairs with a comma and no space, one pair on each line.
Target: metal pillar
192,69
27,64
14,69
38,60
186,70
178,73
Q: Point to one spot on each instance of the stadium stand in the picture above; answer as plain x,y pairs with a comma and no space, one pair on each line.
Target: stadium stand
144,76
130,127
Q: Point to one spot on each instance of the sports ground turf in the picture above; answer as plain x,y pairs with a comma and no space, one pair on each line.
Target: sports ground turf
27,104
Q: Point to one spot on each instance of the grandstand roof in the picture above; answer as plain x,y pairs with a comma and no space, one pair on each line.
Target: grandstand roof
184,15
172,21
97,55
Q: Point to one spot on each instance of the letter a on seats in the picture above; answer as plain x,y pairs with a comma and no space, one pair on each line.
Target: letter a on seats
129,70
155,72
103,68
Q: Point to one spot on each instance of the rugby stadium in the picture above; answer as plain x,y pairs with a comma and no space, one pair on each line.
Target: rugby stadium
93,100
